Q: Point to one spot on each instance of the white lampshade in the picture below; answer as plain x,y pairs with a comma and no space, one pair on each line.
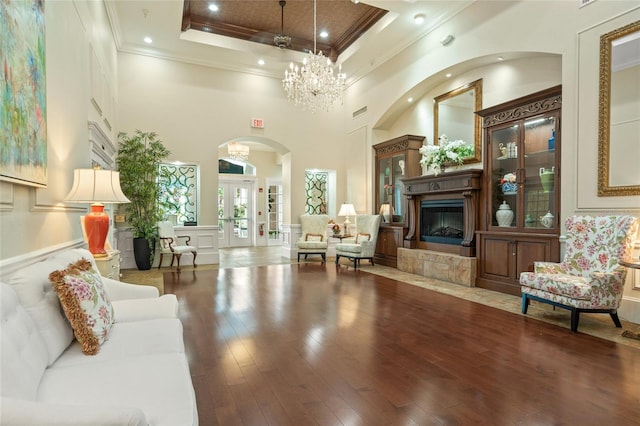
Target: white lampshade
96,186
386,211
347,210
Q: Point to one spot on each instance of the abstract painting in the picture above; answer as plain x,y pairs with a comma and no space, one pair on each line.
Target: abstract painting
23,108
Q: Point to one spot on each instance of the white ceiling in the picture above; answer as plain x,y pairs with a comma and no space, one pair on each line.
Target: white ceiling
394,32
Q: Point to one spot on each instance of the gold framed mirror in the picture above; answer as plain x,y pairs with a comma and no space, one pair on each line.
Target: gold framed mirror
454,114
619,123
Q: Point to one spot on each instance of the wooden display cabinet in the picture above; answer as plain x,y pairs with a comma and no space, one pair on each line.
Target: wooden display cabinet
395,159
521,189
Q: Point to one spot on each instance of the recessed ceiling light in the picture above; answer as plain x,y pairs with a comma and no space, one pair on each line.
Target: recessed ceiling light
500,58
448,75
148,40
419,19
260,61
213,7
324,34
410,100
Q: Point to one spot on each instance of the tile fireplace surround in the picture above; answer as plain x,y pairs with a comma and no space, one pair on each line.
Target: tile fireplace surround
453,263
447,267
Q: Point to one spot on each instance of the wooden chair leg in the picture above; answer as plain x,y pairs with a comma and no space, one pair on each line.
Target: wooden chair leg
575,318
525,303
178,257
337,258
160,261
616,320
195,254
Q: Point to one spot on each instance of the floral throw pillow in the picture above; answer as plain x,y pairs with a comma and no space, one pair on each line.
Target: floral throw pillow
85,303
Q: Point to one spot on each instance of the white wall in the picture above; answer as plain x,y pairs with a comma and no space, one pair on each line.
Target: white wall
32,218
195,109
565,39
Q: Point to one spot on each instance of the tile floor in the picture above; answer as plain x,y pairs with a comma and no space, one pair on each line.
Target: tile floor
599,325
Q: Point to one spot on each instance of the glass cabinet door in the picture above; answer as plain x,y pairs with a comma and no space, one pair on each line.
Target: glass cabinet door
390,171
384,182
504,172
524,174
539,173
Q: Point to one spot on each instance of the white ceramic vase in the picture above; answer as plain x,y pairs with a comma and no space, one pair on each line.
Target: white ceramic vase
504,215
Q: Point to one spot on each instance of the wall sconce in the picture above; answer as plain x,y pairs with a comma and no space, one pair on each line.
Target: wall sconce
98,187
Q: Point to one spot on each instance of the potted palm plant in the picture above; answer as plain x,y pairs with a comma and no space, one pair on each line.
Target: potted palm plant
138,158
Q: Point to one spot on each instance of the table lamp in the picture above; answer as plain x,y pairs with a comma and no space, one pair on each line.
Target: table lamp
385,212
98,187
347,210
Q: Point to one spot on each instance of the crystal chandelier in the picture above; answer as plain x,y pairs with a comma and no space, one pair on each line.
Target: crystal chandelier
238,151
315,85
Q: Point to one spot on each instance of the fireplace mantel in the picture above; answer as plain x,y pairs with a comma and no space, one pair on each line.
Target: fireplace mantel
464,184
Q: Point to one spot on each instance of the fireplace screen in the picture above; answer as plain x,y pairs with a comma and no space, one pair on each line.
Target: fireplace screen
442,221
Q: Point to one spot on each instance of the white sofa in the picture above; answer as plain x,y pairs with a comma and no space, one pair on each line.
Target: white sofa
140,376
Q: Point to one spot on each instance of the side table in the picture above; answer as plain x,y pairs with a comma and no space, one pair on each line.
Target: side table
340,237
109,265
635,264
630,263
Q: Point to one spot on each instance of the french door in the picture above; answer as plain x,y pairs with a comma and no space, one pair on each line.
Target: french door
235,206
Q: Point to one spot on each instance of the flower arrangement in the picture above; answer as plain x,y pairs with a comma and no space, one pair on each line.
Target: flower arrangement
435,156
508,183
335,228
508,178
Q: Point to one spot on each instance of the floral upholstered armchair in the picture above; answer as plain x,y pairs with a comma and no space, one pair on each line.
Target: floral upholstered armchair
313,236
363,244
589,279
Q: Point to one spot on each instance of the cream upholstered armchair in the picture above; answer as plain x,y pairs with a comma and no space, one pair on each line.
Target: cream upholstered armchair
170,244
313,237
589,279
363,243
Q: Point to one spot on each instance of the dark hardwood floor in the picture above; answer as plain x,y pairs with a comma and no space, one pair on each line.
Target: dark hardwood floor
314,344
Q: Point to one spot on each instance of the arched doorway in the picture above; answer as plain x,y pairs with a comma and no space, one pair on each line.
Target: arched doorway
246,189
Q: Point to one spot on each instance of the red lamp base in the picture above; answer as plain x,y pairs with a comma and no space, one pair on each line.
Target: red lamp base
96,224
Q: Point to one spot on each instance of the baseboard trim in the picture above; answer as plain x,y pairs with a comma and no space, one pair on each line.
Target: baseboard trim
629,309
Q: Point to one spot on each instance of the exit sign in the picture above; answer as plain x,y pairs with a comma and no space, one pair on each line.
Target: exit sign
257,123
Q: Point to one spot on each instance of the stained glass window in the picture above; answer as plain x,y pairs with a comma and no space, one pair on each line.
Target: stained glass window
179,191
316,192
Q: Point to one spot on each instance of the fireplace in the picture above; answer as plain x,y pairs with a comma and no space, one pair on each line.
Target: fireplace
443,211
442,221
442,214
